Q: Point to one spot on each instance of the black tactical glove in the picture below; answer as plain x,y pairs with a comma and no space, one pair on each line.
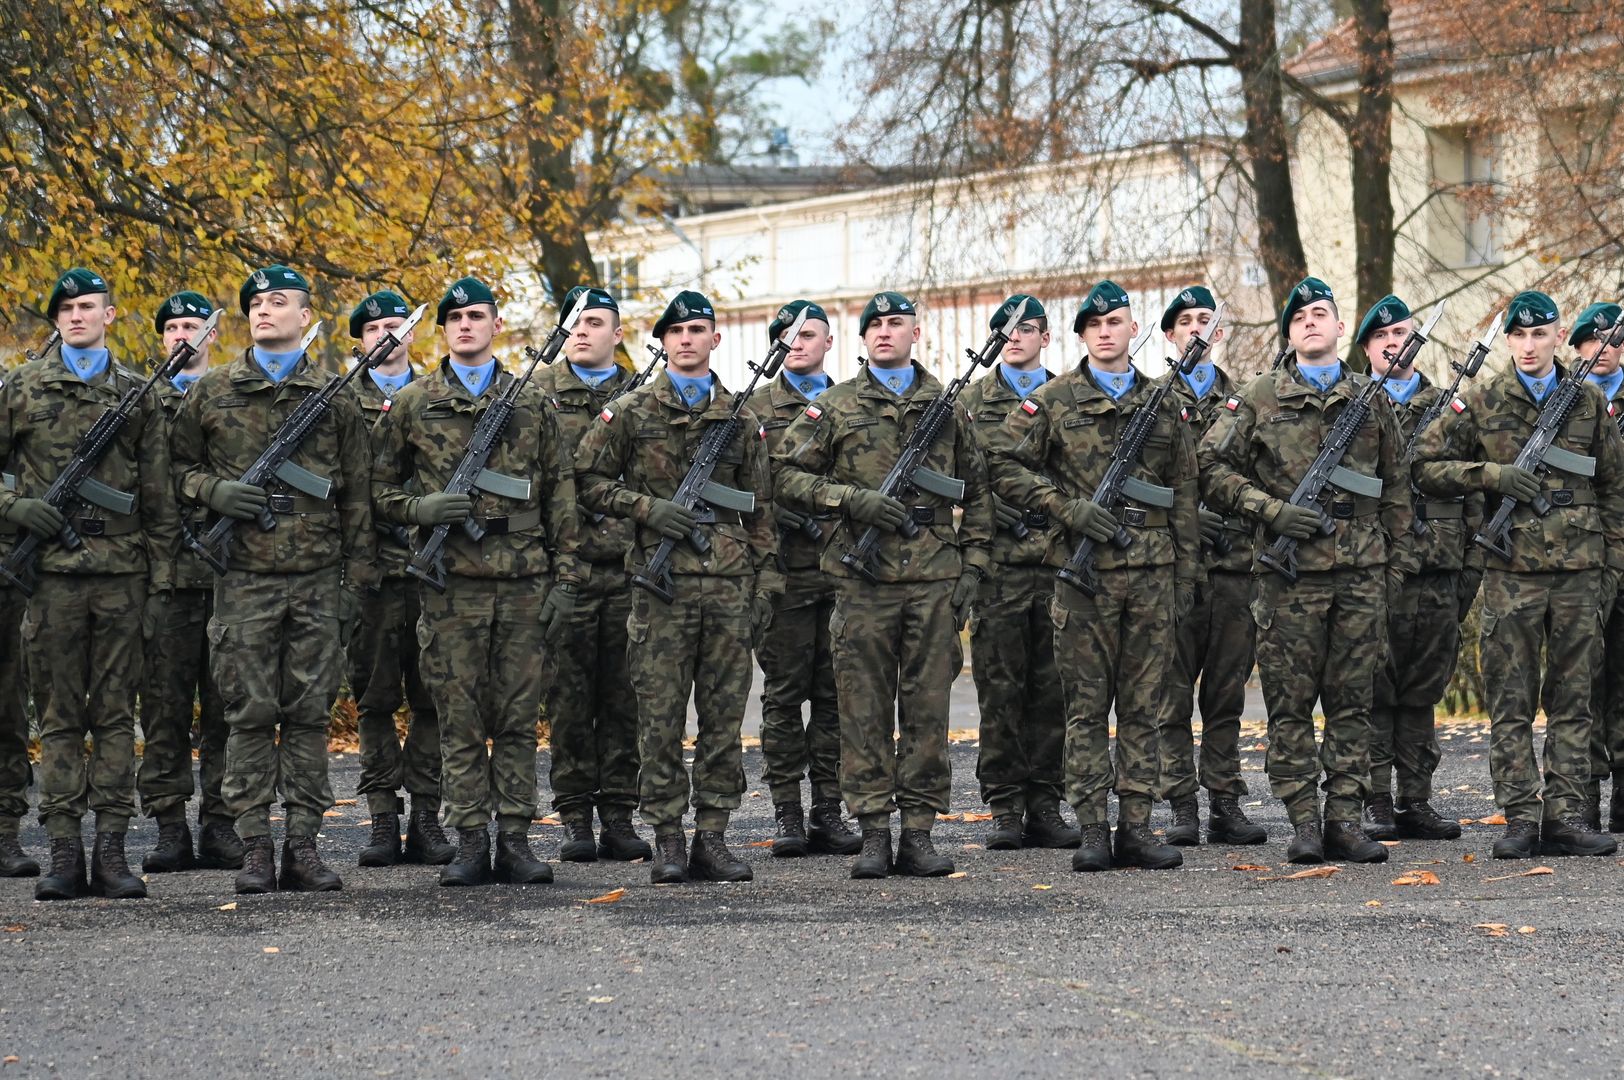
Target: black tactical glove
1212,526
964,596
1466,585
349,613
1004,514
1520,484
761,618
556,611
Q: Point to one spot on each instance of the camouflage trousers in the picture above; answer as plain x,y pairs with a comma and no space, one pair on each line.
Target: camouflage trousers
177,682
481,658
1112,651
1321,639
82,633
1023,713
274,655
1526,619
1607,704
383,671
591,707
14,767
797,666
1422,648
1216,644
697,646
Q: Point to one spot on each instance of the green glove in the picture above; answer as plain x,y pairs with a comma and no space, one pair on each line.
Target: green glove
349,613
1183,600
556,611
1212,526
442,508
154,612
761,618
868,505
787,519
1297,522
1520,484
964,596
37,516
1466,585
1089,518
1004,514
670,520
235,499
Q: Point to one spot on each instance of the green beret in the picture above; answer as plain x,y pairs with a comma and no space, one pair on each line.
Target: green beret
76,282
1034,310
885,303
1530,308
464,292
1594,321
1105,297
380,305
595,298
685,306
1196,296
183,305
1387,311
1308,290
270,279
790,312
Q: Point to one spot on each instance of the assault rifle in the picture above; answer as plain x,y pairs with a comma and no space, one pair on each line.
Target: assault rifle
1464,369
627,387
44,350
1286,353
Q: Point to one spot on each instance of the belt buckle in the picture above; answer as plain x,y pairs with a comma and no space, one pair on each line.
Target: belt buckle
496,526
1133,516
1036,519
280,504
91,527
1342,510
1561,497
923,515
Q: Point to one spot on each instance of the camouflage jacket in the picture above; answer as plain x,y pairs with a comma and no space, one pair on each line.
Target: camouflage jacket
191,572
394,540
987,402
1491,422
1199,415
640,449
425,434
575,406
44,409
777,405
851,436
227,420
1450,521
1056,446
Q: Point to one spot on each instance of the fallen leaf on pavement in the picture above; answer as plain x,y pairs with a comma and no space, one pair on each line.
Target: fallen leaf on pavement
10,1059
1249,866
1389,843
1492,819
972,847
947,817
957,874
331,813
599,1000
1468,857
548,820
15,928
1535,871
229,907
343,802
1525,930
270,949
759,843
1493,929
976,817
1373,903
1042,888
1417,877
1311,872
609,897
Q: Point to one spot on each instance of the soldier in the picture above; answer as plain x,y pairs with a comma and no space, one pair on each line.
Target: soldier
797,662
14,768
1321,637
1216,642
895,639
82,625
630,464
177,668
1423,631
285,607
1051,453
383,650
1023,714
1547,596
591,707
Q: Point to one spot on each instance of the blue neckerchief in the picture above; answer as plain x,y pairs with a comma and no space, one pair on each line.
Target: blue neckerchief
808,386
1539,388
1321,376
88,364
1022,382
1114,383
593,377
183,382
390,384
896,380
692,389
1609,383
1201,378
476,378
1403,390
276,365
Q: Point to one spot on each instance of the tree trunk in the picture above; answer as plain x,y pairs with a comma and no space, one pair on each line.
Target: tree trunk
1370,144
1279,242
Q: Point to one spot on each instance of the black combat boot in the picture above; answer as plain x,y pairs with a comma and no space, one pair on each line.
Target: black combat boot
1573,835
670,864
302,868
1005,834
828,833
472,863
1379,821
173,851
426,842
1227,823
1345,841
66,878
219,847
14,861
110,871
1046,828
1137,846
917,856
258,873
710,860
383,846
1186,828
1521,841
874,861
790,840
1417,820
516,863
579,844
618,839
1615,805
1590,811
1307,843
1094,851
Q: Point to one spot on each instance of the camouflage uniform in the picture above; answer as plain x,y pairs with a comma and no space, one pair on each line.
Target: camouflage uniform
1323,637
81,631
591,707
1023,713
14,770
481,639
1111,648
1607,730
699,644
896,645
1544,600
274,634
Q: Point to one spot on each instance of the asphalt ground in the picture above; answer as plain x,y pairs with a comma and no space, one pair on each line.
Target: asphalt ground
1018,968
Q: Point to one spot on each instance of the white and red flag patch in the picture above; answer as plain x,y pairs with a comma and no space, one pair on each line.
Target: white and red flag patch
814,412
1029,407
607,414
1458,405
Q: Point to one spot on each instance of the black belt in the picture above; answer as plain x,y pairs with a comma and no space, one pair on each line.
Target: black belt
512,523
709,515
1571,496
1428,510
1035,519
1142,518
1347,509
297,504
931,515
122,525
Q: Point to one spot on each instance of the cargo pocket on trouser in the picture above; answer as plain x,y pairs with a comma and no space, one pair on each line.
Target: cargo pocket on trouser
223,664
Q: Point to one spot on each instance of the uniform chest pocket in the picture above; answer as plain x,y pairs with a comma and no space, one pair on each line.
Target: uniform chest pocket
45,415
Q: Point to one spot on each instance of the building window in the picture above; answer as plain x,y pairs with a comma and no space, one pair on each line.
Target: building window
619,276
1465,181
